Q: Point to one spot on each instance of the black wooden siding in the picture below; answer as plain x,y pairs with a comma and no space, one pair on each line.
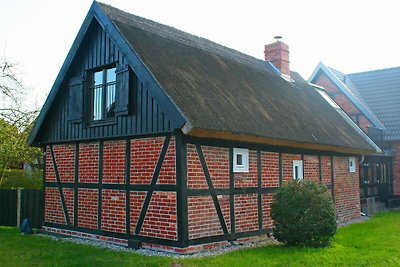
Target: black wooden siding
146,115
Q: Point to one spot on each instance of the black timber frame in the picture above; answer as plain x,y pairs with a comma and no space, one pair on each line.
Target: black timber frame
181,189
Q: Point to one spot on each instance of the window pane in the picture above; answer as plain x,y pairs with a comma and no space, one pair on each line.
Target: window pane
239,159
110,99
103,94
98,102
111,77
98,78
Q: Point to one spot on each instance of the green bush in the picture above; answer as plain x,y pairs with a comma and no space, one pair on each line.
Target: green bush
19,179
303,214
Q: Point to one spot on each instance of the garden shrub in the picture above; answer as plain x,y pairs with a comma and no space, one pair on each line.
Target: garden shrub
12,179
303,214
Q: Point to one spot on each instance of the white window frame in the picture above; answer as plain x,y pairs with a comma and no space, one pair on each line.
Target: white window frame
299,165
244,167
352,164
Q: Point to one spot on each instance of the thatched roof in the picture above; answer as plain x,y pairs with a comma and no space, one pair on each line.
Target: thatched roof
224,93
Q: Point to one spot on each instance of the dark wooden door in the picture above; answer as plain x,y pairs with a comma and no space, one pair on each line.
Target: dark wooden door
375,180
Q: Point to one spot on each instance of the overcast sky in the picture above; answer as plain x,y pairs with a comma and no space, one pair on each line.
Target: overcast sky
351,36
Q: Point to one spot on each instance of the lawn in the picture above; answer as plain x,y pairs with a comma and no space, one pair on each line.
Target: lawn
375,242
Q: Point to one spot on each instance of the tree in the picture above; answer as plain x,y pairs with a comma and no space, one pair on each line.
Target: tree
16,121
13,107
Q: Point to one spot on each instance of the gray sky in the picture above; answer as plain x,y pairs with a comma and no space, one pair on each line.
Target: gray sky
350,36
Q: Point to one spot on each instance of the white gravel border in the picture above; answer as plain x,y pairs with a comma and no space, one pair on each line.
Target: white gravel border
152,252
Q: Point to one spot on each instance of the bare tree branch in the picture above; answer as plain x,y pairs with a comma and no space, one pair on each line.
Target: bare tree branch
13,107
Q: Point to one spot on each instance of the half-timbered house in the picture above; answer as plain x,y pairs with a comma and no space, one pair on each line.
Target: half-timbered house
159,138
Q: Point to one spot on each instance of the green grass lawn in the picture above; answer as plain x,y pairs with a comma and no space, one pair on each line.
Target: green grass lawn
372,243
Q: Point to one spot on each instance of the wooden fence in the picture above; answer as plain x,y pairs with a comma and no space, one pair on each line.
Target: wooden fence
18,204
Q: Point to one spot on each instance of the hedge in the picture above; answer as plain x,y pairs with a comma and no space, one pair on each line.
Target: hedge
12,179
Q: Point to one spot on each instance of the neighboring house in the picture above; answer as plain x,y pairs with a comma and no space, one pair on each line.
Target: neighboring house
159,138
372,100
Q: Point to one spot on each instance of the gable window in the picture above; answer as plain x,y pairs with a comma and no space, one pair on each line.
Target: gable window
298,169
102,91
240,160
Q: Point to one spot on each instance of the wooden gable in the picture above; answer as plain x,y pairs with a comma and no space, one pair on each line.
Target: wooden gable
141,107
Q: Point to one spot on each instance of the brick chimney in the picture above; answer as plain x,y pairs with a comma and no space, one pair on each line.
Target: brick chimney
278,54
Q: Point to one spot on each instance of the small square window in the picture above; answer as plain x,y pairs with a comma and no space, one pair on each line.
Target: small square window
352,164
240,160
298,169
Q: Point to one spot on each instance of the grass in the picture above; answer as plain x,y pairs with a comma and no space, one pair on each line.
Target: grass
375,242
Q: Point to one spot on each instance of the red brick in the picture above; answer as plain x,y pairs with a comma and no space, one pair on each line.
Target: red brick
88,162
347,191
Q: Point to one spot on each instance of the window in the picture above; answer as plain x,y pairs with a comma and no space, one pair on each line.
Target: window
352,164
240,160
328,98
102,92
297,169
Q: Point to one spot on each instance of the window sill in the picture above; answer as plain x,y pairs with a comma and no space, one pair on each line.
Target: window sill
101,123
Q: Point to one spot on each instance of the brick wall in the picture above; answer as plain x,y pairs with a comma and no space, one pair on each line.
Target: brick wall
246,213
218,165
53,212
326,168
114,162
144,156
328,85
137,199
195,175
167,173
203,218
88,162
87,208
269,169
396,168
266,209
311,168
347,191
161,217
65,159
202,215
113,211
160,220
69,203
346,104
